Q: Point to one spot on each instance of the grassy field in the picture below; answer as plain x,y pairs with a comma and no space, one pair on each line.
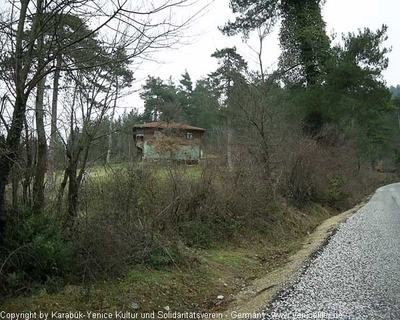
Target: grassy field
161,171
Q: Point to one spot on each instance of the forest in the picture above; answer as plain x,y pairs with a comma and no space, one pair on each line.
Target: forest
282,150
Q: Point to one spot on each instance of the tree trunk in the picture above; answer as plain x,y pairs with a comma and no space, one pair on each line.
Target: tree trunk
261,36
73,189
398,118
229,144
229,139
15,184
10,152
22,67
110,129
3,183
53,132
26,182
60,193
40,170
73,152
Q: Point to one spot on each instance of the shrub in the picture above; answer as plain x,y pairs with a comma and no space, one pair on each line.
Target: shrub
320,173
35,250
127,221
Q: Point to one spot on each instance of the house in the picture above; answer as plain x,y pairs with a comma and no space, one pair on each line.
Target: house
168,141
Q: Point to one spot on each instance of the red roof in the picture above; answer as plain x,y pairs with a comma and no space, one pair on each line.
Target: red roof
165,125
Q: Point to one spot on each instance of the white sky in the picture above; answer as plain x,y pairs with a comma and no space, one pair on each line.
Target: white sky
204,38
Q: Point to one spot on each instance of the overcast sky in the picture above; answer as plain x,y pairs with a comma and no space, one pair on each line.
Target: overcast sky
204,38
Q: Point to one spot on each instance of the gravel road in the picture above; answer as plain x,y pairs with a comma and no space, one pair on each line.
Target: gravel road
357,274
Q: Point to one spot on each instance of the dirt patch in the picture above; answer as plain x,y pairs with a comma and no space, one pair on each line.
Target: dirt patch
263,290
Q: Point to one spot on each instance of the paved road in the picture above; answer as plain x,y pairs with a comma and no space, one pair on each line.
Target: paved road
357,275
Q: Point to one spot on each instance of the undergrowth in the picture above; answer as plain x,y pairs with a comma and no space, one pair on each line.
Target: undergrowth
136,217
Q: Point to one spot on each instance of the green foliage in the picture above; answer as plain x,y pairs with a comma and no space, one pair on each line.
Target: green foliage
118,65
229,73
199,107
160,101
340,85
252,15
161,256
75,42
355,80
35,250
196,106
304,42
209,230
334,194
204,107
186,84
305,45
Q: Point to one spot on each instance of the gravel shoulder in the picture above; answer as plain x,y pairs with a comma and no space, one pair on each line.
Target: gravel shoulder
263,291
357,274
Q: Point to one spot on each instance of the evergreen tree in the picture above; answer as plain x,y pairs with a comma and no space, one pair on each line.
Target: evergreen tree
161,101
205,109
184,95
356,92
229,74
304,42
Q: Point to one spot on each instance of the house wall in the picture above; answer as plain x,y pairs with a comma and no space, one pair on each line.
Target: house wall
174,146
183,153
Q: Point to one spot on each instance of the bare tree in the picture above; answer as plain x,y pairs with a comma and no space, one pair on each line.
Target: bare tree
25,22
92,98
262,33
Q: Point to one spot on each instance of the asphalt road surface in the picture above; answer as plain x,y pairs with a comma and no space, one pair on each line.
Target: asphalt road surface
357,274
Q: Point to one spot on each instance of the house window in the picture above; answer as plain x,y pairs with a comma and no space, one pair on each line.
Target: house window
189,135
